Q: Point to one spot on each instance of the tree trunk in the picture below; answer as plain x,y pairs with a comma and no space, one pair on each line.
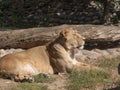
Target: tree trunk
96,36
106,18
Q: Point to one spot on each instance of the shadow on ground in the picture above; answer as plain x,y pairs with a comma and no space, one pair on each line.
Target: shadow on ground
116,88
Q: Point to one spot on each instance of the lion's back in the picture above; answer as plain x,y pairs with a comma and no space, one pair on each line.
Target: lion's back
34,60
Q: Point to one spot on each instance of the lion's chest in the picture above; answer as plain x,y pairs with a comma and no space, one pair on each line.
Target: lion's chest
30,69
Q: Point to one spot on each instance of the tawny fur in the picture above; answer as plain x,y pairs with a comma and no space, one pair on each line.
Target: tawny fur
56,57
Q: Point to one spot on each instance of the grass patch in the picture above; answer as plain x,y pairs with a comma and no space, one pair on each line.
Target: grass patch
109,63
41,79
87,79
29,86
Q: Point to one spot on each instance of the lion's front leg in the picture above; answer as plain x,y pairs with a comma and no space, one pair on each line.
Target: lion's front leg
82,66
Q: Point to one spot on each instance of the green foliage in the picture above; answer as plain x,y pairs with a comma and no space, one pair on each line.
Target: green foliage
87,79
114,9
32,13
13,13
28,86
99,1
41,79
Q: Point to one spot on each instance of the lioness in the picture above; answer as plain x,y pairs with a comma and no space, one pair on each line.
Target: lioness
56,57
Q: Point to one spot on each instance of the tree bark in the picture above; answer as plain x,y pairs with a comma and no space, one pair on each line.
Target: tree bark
106,17
96,36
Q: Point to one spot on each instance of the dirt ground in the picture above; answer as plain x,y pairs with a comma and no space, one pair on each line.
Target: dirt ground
58,84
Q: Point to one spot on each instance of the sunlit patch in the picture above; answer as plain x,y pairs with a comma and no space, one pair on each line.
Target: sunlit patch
74,61
30,69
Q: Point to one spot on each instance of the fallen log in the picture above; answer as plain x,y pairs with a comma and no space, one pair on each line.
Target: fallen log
98,36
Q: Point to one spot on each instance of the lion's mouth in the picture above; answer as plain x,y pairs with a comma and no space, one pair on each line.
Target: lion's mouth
80,47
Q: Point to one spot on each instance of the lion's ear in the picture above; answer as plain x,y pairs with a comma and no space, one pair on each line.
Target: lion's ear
64,33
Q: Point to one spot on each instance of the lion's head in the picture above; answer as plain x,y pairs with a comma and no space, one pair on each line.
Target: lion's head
71,39
62,50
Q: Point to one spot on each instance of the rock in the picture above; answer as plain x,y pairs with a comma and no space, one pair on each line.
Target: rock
90,56
4,52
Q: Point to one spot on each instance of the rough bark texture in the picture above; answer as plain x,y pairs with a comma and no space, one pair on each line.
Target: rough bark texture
106,12
96,36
